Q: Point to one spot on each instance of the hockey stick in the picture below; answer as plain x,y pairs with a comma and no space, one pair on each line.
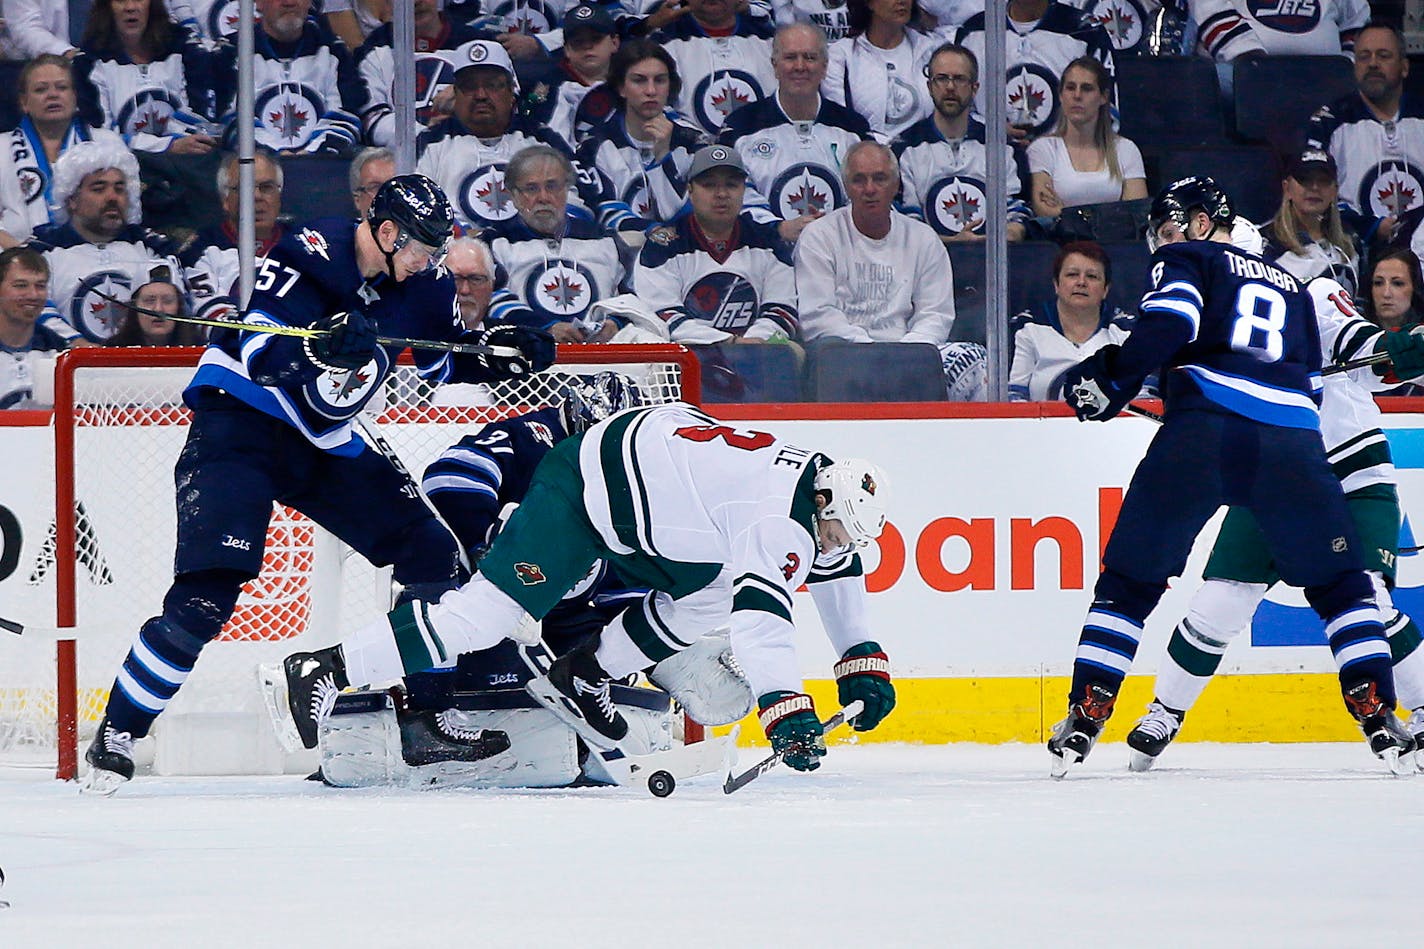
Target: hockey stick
36,633
737,782
474,349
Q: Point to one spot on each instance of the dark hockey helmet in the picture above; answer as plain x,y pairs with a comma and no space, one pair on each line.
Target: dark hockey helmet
583,403
418,207
1178,200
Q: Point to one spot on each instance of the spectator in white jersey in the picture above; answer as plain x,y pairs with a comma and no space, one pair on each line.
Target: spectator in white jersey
27,349
570,94
212,261
877,70
49,126
371,168
1084,161
154,83
1279,27
724,58
1056,334
1043,37
717,274
1307,236
793,142
146,321
1376,136
554,258
867,273
35,28
643,149
943,158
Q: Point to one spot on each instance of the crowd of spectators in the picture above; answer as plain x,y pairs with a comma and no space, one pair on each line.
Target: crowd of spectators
778,172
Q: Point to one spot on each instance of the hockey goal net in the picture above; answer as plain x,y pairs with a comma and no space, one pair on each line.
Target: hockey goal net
119,426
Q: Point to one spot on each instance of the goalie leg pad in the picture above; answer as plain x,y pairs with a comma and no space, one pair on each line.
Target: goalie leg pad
706,680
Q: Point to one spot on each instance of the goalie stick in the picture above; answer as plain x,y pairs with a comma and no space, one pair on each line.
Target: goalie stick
737,782
474,349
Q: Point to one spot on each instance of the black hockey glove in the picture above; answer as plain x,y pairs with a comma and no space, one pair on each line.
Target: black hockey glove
1406,353
348,342
864,674
1090,390
535,353
791,724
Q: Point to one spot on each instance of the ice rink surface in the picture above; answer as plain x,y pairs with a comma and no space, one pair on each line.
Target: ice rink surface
885,846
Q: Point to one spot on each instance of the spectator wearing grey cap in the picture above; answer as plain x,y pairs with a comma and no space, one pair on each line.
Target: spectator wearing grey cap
715,274
1307,237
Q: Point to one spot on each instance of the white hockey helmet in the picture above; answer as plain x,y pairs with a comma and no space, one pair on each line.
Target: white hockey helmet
856,492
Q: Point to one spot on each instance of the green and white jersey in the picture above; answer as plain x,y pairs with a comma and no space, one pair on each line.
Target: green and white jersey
673,489
1349,418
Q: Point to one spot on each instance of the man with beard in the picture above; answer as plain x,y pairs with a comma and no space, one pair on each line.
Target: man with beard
942,157
1376,136
97,249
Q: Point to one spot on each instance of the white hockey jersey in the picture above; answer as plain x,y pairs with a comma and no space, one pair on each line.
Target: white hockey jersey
435,67
79,272
1316,259
1280,27
213,273
1381,164
707,292
720,74
1042,354
942,182
672,483
794,168
639,191
885,86
26,174
557,278
19,367
151,104
216,19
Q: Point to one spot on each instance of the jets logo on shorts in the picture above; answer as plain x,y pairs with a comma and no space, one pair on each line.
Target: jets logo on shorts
805,188
484,198
722,93
148,112
89,312
1391,187
1122,20
1032,98
288,110
562,288
954,205
1288,16
529,574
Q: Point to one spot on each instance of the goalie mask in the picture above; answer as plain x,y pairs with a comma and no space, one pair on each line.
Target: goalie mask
856,491
1177,202
586,402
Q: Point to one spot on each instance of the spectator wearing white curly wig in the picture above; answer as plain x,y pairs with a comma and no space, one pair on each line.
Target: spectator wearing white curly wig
96,248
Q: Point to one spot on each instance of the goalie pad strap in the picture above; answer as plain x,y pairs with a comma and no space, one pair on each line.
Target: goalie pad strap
790,705
876,664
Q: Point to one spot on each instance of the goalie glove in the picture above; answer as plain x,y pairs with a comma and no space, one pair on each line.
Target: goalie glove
1090,390
347,341
1406,353
864,673
793,728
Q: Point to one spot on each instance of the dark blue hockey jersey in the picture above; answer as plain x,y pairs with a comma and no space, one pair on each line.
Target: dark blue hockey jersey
1231,332
310,274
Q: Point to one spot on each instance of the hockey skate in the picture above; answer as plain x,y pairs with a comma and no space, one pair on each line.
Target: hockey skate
432,737
1152,733
575,689
1076,735
110,758
1415,727
1386,735
312,680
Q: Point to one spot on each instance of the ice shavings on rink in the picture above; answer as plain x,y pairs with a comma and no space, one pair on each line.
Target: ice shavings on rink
885,846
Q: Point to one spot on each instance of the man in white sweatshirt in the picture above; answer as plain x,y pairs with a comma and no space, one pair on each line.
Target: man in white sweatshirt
866,273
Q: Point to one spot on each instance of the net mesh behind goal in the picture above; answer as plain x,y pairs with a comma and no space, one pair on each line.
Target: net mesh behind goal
108,560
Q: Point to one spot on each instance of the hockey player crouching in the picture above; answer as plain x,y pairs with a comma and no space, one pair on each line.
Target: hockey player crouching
720,524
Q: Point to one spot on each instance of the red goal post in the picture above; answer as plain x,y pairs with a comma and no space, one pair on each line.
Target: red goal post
119,422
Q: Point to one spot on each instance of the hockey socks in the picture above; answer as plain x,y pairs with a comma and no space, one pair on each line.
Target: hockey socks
1192,659
155,668
1404,641
1106,648
1361,653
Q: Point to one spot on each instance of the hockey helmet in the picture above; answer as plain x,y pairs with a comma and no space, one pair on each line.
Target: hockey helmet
418,207
856,492
583,403
1178,200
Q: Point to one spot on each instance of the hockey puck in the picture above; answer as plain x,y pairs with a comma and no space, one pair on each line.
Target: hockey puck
661,783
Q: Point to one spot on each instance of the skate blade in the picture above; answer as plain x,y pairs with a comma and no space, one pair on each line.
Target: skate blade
565,711
101,783
1137,761
1061,764
272,683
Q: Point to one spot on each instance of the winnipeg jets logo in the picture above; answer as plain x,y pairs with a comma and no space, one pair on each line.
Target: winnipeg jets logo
148,111
541,433
1391,188
563,288
901,101
32,183
955,205
314,242
806,188
529,574
222,20
1288,16
346,388
90,312
287,112
722,93
1122,20
342,385
484,197
1031,98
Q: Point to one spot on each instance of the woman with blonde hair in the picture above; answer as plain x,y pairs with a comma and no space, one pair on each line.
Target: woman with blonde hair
1307,237
1084,160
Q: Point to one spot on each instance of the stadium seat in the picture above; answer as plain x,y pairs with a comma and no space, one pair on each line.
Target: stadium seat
1250,174
874,372
10,113
1276,95
735,373
1030,279
1130,261
316,186
1169,101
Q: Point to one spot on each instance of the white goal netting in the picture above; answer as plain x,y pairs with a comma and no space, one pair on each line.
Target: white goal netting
120,424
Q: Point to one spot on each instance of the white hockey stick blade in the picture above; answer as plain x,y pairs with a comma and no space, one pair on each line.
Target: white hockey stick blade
684,761
272,683
38,633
